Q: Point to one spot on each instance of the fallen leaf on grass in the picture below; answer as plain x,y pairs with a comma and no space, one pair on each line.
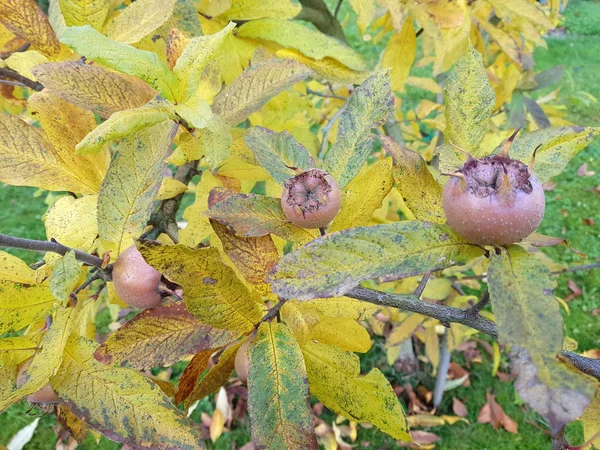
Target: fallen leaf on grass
584,172
575,291
459,408
423,440
588,221
549,186
493,414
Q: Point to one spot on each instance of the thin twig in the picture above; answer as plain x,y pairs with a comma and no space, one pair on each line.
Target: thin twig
337,8
422,284
477,307
49,246
323,94
327,128
10,74
273,312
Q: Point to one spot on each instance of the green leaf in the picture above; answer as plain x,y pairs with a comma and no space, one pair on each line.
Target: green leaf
368,107
125,123
279,153
121,403
421,193
469,101
334,264
278,391
216,139
334,378
213,292
159,337
307,41
557,145
255,87
132,182
526,312
140,63
253,215
198,53
21,304
65,276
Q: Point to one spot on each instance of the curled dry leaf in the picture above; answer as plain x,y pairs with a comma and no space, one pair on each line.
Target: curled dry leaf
493,414
459,408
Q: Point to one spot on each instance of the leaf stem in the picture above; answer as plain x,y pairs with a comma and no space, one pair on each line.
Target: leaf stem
49,246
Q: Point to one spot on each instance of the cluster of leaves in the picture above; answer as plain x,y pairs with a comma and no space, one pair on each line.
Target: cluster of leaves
126,91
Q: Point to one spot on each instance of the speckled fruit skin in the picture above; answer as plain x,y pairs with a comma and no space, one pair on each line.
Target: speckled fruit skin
492,220
242,363
136,282
45,396
311,199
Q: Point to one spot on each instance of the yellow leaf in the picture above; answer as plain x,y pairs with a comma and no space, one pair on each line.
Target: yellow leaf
84,12
496,358
56,17
591,419
217,424
28,159
326,68
198,227
195,111
235,57
22,62
334,378
65,125
26,19
65,276
427,84
125,123
400,54
15,350
508,10
72,222
257,9
213,292
93,87
132,182
363,196
258,84
15,269
450,46
346,334
198,53
365,9
120,402
338,307
306,40
45,363
216,377
506,41
170,188
139,63
403,331
188,149
212,8
138,20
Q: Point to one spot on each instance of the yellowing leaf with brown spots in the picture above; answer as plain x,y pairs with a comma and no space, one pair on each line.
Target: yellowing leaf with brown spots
26,19
132,182
93,87
591,419
159,337
257,9
363,196
138,20
217,376
15,269
72,221
213,293
27,158
198,227
65,126
84,12
121,403
15,350
22,304
334,378
327,68
421,193
65,276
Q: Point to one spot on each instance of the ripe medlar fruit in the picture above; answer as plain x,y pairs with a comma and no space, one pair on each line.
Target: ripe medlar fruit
494,200
136,282
242,363
45,396
311,199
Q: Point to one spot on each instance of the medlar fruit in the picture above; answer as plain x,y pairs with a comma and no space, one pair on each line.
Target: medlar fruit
136,282
242,363
494,200
311,199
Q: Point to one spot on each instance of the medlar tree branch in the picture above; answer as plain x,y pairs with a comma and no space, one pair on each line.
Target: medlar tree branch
465,316
49,246
317,13
10,74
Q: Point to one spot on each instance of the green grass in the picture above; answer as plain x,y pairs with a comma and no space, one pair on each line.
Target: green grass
578,50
